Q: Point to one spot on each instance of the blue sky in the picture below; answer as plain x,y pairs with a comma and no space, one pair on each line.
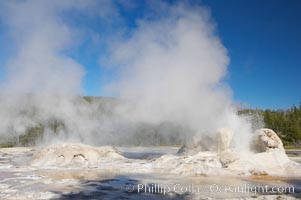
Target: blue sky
264,45
262,38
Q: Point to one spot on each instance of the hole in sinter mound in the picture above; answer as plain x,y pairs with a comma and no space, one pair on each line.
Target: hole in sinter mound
79,158
60,159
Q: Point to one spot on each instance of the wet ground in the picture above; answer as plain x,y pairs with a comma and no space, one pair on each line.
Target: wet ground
20,181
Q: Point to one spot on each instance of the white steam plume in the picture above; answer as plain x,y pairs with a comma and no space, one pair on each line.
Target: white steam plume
173,67
41,82
39,65
171,70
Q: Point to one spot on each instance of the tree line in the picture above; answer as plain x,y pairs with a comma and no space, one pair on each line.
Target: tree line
285,122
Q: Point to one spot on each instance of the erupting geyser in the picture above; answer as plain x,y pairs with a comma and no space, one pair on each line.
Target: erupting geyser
169,69
164,71
217,142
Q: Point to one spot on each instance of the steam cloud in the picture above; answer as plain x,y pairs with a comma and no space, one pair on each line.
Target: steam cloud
170,67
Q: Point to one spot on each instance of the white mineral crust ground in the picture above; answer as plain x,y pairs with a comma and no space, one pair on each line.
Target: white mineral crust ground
76,171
